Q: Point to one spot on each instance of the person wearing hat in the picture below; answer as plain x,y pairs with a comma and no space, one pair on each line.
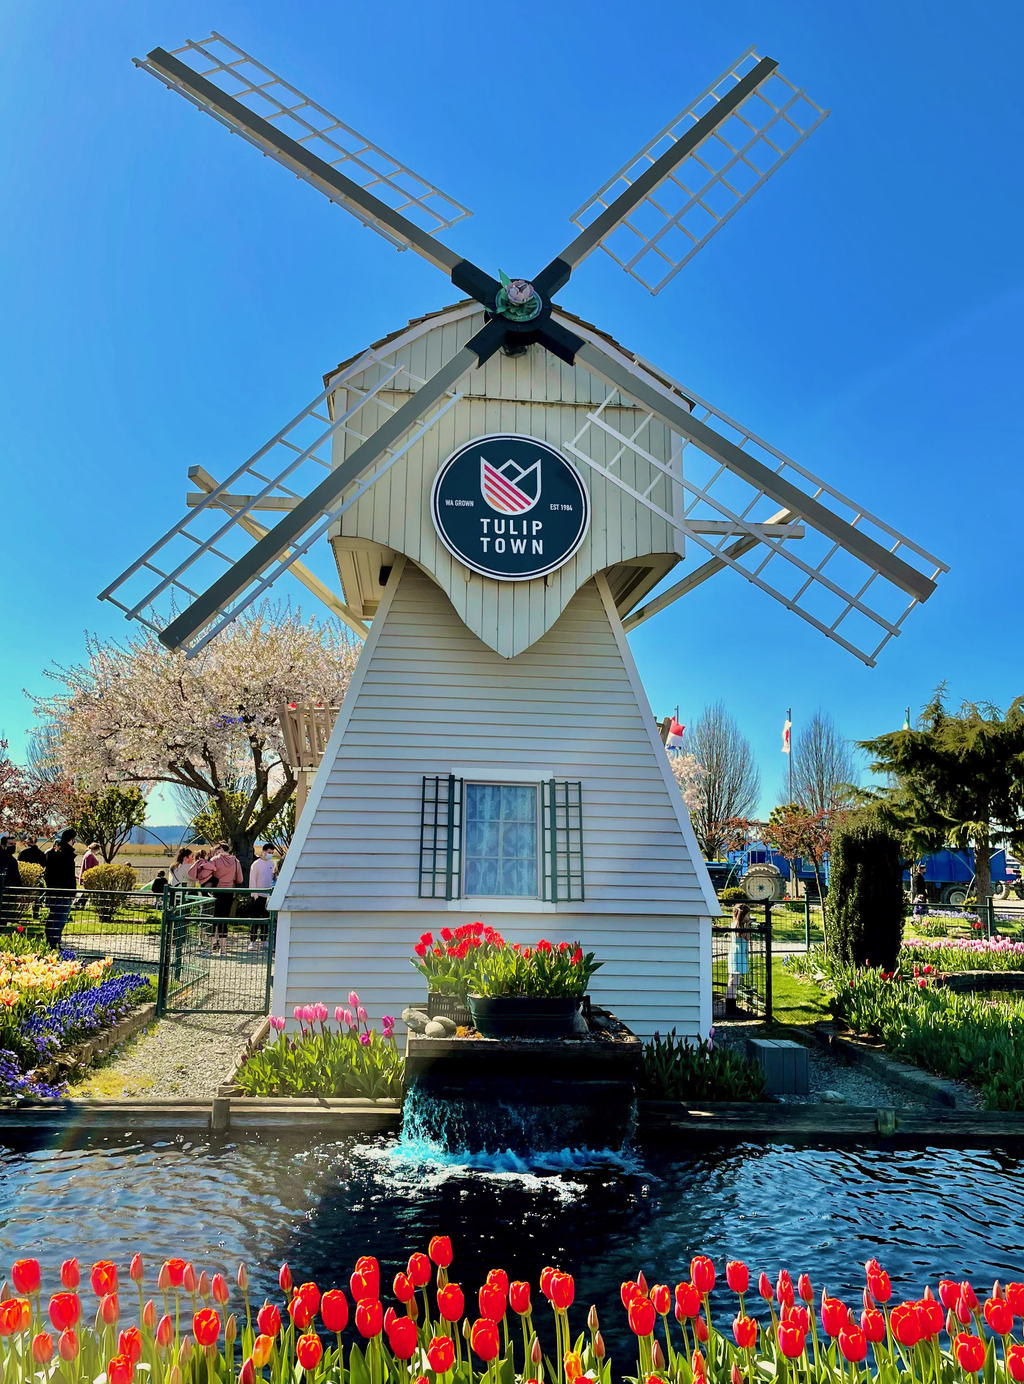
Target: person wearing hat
61,880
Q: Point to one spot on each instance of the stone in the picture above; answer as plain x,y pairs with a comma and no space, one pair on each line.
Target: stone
435,1029
579,1023
833,1097
449,1025
415,1020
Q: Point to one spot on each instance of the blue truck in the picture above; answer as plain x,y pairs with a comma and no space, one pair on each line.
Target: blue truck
764,873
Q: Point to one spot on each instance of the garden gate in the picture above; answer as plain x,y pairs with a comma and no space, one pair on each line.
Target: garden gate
741,966
210,964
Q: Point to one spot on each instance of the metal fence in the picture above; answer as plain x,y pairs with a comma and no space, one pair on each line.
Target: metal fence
741,966
209,951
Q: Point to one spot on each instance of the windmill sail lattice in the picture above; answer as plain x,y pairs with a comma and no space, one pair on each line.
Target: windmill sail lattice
681,214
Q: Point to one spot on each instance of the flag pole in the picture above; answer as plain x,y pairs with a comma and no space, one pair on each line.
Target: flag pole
789,718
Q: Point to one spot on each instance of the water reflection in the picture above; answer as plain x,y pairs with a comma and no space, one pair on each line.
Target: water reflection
925,1212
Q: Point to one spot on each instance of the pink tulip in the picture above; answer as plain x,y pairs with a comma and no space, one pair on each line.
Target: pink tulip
297,1012
309,1013
361,1014
339,1014
277,1024
346,1017
353,999
321,1013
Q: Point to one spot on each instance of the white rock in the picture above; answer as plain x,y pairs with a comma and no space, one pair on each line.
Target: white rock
833,1097
435,1029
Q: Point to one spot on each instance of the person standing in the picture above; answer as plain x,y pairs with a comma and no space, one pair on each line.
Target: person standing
261,876
180,868
10,877
89,860
227,875
61,880
33,855
739,955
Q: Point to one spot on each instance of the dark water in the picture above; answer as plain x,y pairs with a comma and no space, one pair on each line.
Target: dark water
924,1213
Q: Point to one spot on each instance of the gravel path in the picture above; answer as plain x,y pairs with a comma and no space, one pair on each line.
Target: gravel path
834,1080
186,1055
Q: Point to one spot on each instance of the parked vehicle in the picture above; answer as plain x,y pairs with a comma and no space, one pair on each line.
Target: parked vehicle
765,873
949,876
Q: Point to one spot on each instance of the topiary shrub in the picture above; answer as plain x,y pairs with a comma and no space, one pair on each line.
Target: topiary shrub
733,895
864,907
17,907
107,885
31,875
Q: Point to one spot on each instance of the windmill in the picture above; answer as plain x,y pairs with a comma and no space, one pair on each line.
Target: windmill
518,457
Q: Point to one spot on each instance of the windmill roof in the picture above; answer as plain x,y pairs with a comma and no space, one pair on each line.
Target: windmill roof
464,302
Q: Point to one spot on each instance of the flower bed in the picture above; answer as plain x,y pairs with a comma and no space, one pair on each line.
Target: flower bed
352,1060
722,1333
50,1002
676,1070
969,954
474,959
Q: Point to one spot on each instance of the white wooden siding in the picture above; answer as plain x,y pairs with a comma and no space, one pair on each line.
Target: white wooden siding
534,394
430,696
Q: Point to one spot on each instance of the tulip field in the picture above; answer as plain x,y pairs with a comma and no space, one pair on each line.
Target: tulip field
178,1326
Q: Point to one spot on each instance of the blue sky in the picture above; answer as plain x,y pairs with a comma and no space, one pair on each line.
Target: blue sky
171,298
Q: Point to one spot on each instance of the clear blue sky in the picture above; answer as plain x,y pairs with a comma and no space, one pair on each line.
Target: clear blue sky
170,297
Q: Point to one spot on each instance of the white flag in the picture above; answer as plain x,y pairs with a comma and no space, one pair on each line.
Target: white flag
787,727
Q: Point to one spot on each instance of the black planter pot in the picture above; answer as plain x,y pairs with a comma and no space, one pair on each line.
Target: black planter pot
523,1016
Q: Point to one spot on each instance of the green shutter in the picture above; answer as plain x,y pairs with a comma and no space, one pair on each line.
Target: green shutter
440,837
562,840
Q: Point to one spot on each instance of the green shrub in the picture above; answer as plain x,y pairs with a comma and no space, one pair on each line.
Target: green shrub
793,905
677,1070
107,885
864,907
31,875
18,907
733,895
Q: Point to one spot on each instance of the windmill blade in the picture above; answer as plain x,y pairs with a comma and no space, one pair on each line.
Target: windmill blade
227,83
667,202
851,574
189,553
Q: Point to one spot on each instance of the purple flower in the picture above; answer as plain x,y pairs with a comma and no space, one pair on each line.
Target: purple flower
387,1023
365,1039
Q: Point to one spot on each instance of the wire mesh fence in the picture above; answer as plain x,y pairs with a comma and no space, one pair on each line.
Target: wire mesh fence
741,965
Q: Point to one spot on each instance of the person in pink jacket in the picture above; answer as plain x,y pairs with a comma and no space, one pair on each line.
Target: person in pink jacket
227,875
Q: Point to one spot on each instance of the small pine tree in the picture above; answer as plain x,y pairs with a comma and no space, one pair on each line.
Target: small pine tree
864,909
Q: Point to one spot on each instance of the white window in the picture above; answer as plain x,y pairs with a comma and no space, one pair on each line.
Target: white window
501,849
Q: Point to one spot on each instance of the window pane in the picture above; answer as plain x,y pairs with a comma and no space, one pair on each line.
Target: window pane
501,840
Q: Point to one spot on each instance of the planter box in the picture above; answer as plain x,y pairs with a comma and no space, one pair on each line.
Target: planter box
523,1016
65,1064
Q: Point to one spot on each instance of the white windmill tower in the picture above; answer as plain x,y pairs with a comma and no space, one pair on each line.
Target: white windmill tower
503,486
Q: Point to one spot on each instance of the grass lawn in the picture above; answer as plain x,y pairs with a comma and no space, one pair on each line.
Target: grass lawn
796,1001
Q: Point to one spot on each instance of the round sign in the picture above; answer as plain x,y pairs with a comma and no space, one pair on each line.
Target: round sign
510,507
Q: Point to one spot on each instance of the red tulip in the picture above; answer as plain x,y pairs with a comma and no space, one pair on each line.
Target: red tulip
700,1329
949,1293
905,1323
69,1275
268,1319
1015,1297
1015,1363
262,1350
10,1316
598,1345
853,1344
492,1303
334,1310
546,1275
110,1309
451,1304
188,1279
931,1318
687,1300
784,1287
120,1370
872,1323
702,1274
737,1275
308,1351
149,1315
402,1337
304,1305
67,1346
389,1317
764,1288
735,1374
65,1310
441,1354
403,1287
164,1331
363,1288
642,1282
834,1315
641,1316
744,1330
791,1340
969,1352
629,1290
968,1295
878,1285
104,1278
698,1365
563,1290
219,1289
247,1374
804,1290
369,1317
175,1271
799,1315
419,1270
135,1268
129,1343
26,1277
206,1326
484,1339
999,1315
662,1299
498,1278
284,1278
42,1348
519,1296
440,1250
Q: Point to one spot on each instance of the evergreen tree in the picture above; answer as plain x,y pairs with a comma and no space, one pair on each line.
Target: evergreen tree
864,908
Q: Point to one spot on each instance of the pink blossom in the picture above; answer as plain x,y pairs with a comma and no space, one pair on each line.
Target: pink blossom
277,1024
308,1013
321,1013
365,1039
361,1014
346,1017
387,1023
297,1012
339,1014
353,999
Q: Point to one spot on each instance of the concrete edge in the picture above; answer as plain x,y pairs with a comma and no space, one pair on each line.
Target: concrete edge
940,1090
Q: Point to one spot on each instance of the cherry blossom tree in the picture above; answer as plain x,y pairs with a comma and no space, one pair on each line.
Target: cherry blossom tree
687,774
140,713
31,806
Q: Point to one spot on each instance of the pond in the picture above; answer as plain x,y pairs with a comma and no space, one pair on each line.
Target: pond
924,1213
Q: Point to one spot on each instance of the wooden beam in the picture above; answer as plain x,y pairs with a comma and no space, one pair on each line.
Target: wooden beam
309,579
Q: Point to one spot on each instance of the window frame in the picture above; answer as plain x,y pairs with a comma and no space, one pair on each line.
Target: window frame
506,782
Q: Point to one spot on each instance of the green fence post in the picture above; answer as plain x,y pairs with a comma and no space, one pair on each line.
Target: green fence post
807,923
271,944
768,961
990,916
165,955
